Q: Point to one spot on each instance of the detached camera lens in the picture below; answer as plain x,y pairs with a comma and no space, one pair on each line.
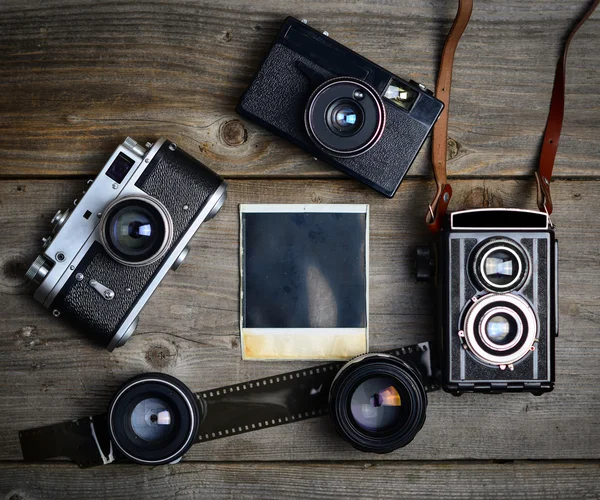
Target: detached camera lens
500,265
153,419
377,403
345,117
136,230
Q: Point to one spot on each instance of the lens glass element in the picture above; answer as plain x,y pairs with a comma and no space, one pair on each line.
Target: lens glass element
501,329
376,405
501,268
152,420
137,231
344,118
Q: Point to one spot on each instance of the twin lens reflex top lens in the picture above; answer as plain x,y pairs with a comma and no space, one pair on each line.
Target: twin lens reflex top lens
500,265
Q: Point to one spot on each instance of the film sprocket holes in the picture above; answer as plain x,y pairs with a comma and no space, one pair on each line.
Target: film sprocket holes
377,403
111,250
497,300
340,107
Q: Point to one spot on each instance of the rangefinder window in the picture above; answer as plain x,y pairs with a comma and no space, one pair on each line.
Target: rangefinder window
401,95
120,168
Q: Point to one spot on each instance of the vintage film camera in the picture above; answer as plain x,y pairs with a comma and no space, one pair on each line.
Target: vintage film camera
340,107
496,270
110,251
377,402
497,300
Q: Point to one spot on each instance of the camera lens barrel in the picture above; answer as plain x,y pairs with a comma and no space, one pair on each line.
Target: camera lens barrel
345,117
153,419
378,403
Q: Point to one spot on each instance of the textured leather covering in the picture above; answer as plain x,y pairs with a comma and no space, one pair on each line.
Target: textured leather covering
277,99
175,179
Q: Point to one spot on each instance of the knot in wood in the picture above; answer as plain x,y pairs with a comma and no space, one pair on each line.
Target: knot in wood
482,197
233,133
160,356
12,271
453,148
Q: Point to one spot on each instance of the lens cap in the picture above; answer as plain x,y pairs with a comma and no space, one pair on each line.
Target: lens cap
378,403
153,419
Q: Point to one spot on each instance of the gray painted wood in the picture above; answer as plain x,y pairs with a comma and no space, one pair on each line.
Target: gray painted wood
77,77
364,480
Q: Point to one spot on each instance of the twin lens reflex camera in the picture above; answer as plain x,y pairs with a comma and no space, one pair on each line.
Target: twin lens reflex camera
497,300
340,107
110,251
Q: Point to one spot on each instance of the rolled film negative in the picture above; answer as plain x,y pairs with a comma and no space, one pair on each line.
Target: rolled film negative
222,412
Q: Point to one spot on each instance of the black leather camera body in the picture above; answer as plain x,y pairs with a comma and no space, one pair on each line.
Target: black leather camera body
111,250
496,276
340,107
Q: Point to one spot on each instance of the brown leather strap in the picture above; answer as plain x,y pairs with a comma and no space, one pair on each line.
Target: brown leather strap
439,205
555,121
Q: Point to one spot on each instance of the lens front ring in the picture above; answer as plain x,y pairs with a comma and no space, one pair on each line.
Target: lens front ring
370,115
154,209
500,265
408,393
491,352
175,396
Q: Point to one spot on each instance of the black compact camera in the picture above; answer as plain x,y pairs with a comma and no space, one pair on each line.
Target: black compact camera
109,252
377,403
496,276
340,107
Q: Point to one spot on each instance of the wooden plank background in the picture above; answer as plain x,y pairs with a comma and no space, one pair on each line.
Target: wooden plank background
76,77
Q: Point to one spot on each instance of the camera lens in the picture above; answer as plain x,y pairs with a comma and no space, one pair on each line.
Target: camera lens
377,403
500,329
153,419
136,230
500,265
345,117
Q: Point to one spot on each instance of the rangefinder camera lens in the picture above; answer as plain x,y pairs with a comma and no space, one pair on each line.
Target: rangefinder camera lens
500,265
378,403
153,419
345,117
136,230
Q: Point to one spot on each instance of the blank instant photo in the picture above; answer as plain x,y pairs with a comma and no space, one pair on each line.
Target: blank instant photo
304,281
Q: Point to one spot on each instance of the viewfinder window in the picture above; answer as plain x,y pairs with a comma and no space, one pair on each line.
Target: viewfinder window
120,168
401,94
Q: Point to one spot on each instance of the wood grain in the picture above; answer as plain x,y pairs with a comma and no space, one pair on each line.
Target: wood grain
189,329
363,480
76,77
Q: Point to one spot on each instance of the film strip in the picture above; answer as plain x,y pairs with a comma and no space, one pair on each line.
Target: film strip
225,411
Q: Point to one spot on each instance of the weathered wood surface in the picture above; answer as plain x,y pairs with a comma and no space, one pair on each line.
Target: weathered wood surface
330,480
76,77
190,329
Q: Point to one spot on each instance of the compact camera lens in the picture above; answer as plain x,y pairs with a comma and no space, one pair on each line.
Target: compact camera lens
377,403
153,419
500,265
136,230
345,117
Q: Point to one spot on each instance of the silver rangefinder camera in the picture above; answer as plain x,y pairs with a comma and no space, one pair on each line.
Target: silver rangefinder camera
109,252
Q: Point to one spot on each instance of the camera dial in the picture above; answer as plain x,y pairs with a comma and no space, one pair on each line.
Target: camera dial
345,117
59,219
500,265
499,329
136,230
377,403
153,419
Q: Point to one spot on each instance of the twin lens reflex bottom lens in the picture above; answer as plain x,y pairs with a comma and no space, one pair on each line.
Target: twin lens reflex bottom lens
377,403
